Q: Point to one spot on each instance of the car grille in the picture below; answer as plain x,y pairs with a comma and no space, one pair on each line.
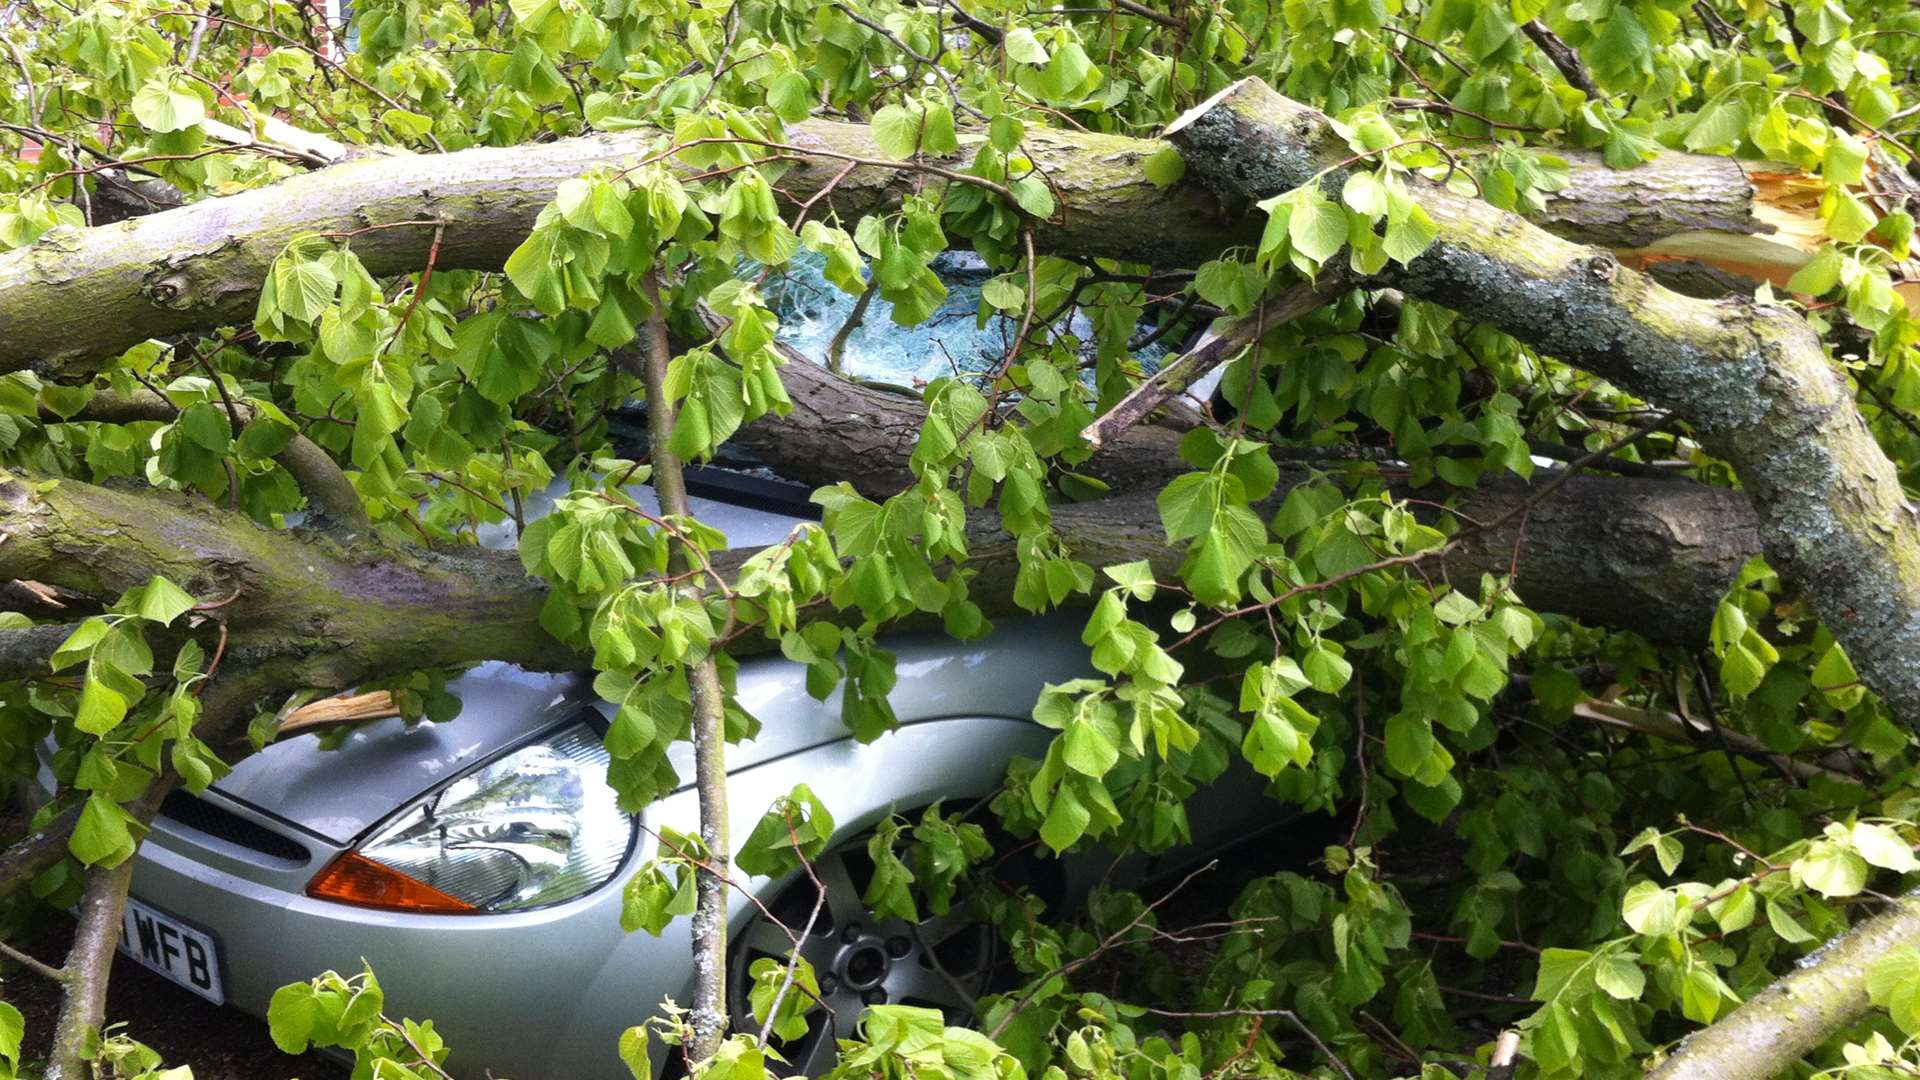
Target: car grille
183,808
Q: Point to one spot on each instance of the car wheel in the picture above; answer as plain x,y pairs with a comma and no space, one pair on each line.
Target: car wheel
943,962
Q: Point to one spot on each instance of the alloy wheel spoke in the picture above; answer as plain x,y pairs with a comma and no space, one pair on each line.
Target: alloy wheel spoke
842,897
940,929
846,1014
764,936
821,1049
913,979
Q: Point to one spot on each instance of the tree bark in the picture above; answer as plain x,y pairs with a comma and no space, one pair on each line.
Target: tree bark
1752,379
709,727
1800,1010
1648,555
331,498
84,1005
81,294
331,611
35,853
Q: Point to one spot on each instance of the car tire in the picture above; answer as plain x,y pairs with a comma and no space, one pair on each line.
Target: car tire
944,961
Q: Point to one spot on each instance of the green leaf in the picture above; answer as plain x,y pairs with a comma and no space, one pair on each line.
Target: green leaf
1165,167
1848,219
896,131
291,1014
1022,47
101,707
1557,972
1328,670
207,426
535,266
159,600
1410,236
1700,995
1134,577
791,96
1087,750
103,836
13,1029
1721,125
1317,228
1846,160
1893,982
1820,275
1883,847
167,102
1831,869
1619,977
633,1053
1651,910
1034,196
1364,195
1735,911
1066,820
80,644
302,288
1785,926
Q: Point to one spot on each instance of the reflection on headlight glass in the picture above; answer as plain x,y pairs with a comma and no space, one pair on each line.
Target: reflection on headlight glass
534,828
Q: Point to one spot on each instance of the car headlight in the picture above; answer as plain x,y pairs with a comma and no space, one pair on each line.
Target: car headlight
535,827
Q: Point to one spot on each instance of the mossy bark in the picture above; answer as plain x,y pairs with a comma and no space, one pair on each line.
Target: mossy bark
1752,379
330,613
80,294
1825,994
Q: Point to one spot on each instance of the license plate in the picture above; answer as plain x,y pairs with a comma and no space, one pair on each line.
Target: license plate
178,951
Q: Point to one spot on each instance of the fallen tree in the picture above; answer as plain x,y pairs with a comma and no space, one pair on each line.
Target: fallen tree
81,295
987,469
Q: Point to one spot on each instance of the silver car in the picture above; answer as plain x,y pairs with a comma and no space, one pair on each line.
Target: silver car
503,923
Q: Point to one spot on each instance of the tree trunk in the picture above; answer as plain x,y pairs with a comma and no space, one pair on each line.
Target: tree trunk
1653,556
80,294
1752,379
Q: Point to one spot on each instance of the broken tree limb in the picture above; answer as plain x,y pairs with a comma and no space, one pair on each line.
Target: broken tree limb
33,854
336,610
81,294
1820,997
1677,728
1752,379
24,652
1564,57
843,430
1212,351
276,134
1653,556
331,498
335,711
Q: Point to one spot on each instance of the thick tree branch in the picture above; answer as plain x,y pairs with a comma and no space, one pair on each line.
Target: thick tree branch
1752,379
1799,1011
78,295
334,611
24,653
330,495
1654,556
